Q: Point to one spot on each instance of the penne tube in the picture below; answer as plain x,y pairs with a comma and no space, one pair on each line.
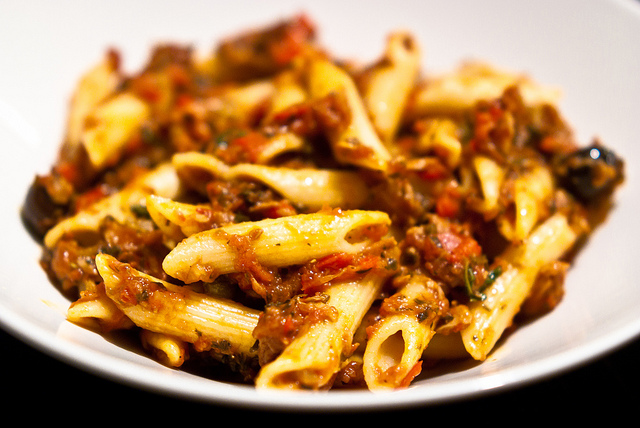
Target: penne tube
169,350
160,181
491,176
445,347
531,192
275,242
491,316
360,135
547,243
309,188
312,359
178,220
440,136
177,311
237,104
99,312
390,82
394,352
95,86
278,144
245,98
196,169
459,91
288,92
111,125
396,342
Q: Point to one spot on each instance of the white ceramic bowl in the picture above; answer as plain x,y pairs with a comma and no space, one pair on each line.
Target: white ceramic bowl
590,49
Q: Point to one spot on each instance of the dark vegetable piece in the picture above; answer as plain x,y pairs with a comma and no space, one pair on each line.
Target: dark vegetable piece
591,172
39,212
48,200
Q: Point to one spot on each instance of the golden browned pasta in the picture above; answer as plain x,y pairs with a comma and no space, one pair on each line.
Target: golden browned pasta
491,176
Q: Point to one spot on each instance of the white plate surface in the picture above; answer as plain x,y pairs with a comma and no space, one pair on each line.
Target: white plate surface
590,49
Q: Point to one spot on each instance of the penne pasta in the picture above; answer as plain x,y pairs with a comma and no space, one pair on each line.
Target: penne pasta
397,341
440,136
238,104
313,358
178,312
98,312
196,169
274,242
389,83
112,123
491,177
490,317
532,191
120,205
168,350
548,242
281,144
359,134
289,91
96,85
311,189
459,91
178,220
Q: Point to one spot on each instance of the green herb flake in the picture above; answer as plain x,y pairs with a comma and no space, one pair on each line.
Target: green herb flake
469,282
491,278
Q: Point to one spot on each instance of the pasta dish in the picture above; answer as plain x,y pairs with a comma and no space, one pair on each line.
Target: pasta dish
275,215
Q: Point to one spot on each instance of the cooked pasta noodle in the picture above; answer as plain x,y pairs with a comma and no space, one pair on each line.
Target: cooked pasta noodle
356,142
178,311
398,340
389,84
315,356
284,241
